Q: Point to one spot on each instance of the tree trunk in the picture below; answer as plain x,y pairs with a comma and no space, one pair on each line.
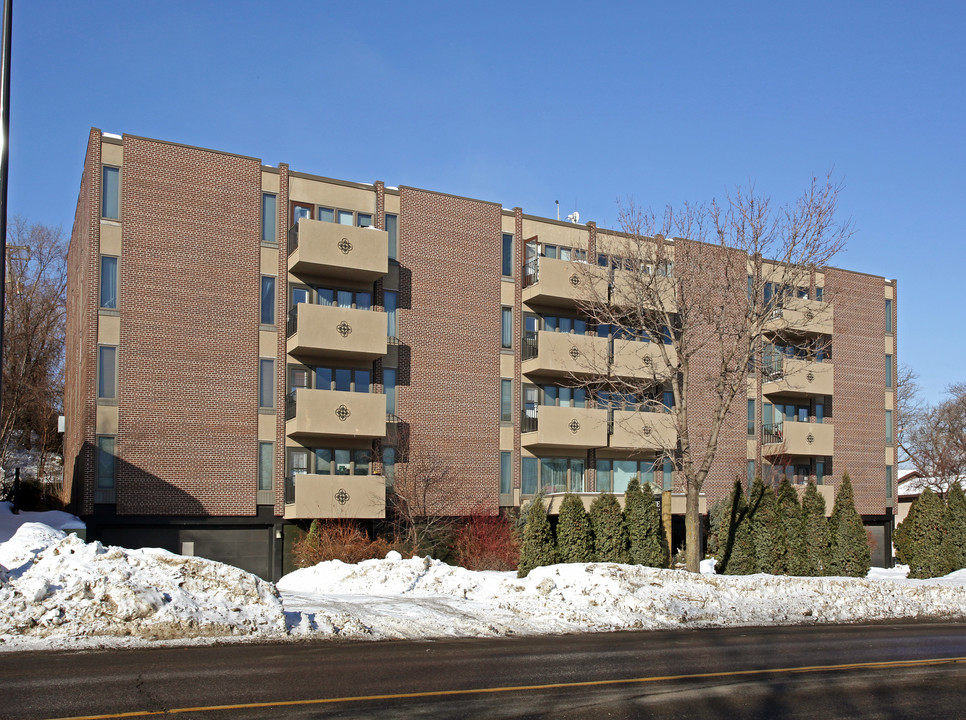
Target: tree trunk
692,530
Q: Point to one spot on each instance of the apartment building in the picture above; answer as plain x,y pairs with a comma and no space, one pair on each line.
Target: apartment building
249,346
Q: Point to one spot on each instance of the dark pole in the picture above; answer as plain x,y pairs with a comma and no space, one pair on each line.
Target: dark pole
4,167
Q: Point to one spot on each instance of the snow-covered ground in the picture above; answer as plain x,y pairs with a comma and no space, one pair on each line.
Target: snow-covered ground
57,591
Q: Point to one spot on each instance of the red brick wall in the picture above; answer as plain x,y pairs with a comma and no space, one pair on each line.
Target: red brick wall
80,361
858,405
450,318
283,223
188,371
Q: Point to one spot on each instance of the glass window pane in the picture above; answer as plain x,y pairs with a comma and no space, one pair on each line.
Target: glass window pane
299,212
269,218
506,328
506,400
549,395
392,229
343,380
109,282
389,300
323,461
580,327
624,470
506,481
360,462
266,463
888,316
550,251
344,298
324,296
389,387
580,397
553,475
268,300
298,462
323,378
111,192
266,383
363,301
565,253
345,217
646,473
298,378
107,373
105,463
888,371
342,460
529,476
326,214
389,463
364,220
507,254
362,380
603,476
751,417
576,475
888,414
299,295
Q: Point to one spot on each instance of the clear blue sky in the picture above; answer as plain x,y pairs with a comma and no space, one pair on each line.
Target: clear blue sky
525,103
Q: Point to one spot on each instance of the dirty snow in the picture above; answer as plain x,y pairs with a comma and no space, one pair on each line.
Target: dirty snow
57,591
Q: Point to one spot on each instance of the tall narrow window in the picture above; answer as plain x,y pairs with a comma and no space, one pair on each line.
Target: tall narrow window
506,481
108,282
888,317
604,483
506,400
529,472
888,427
751,417
266,383
389,464
888,482
390,299
507,254
107,372
392,229
269,218
888,372
751,473
267,315
105,462
506,328
266,462
111,193
389,386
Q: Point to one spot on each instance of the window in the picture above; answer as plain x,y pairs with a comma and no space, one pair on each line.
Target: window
529,475
266,383
107,372
613,475
105,462
301,210
326,214
506,481
269,218
888,317
506,328
564,396
111,193
751,417
389,463
267,314
506,400
363,220
392,229
298,462
344,217
390,299
108,298
818,294
819,471
565,324
343,379
389,387
888,427
266,465
888,371
552,475
360,300
751,473
341,461
888,482
508,254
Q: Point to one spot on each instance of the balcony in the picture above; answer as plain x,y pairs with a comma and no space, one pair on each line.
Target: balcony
560,355
793,376
329,332
798,438
350,497
562,283
632,430
802,315
633,359
651,292
563,428
326,414
324,249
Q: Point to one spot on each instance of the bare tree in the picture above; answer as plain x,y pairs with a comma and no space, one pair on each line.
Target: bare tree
935,441
909,410
726,295
33,339
422,483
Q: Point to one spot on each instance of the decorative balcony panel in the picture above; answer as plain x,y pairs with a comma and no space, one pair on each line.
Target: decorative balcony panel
633,359
330,250
350,497
643,431
324,414
653,292
803,315
564,428
792,376
329,332
799,438
550,282
560,355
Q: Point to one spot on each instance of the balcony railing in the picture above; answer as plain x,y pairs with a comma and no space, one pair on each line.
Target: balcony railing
528,421
289,489
531,270
290,405
293,238
292,324
772,434
530,348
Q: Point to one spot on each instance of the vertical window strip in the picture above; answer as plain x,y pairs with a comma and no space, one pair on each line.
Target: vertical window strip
107,372
111,193
506,480
108,289
266,383
506,328
269,218
266,463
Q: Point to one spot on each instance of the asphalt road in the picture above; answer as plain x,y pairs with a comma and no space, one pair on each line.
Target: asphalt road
881,671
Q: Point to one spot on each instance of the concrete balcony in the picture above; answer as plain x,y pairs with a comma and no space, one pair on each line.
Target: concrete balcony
560,355
549,282
564,428
324,249
791,376
350,497
633,359
802,315
632,430
798,438
329,332
652,292
325,414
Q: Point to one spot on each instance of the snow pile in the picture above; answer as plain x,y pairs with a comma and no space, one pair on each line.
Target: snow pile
57,586
421,597
9,523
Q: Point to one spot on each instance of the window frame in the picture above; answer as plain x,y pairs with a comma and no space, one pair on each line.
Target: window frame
101,453
506,472
888,316
393,234
889,428
506,401
264,362
889,379
270,220
507,255
266,466
117,199
102,397
506,333
274,301
100,281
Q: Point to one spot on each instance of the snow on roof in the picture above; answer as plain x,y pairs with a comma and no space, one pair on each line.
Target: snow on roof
111,135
